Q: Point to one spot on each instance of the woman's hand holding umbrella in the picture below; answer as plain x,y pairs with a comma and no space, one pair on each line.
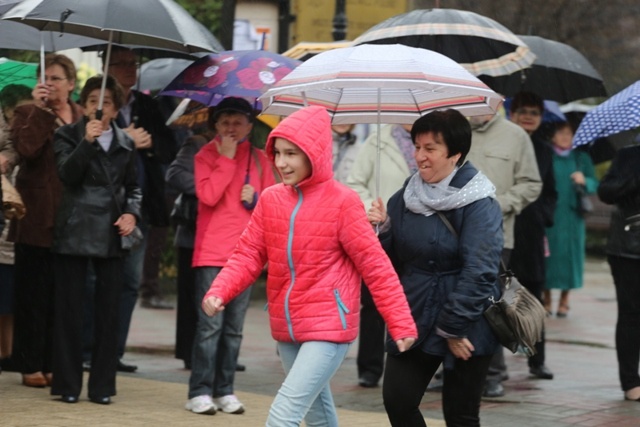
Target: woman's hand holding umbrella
40,93
93,129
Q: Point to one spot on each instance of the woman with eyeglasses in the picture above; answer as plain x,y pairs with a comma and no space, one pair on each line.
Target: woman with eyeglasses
38,184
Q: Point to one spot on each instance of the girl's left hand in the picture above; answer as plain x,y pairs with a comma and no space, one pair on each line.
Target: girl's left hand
460,347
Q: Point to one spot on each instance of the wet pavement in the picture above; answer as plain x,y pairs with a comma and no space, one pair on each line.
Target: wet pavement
580,352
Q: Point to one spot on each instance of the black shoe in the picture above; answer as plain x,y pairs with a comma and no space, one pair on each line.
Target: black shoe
101,400
368,380
67,398
123,367
240,367
541,372
86,366
493,388
157,303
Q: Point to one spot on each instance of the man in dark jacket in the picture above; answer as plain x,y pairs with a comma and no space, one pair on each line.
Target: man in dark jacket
140,117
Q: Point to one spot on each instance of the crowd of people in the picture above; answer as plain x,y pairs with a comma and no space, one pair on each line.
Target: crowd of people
406,258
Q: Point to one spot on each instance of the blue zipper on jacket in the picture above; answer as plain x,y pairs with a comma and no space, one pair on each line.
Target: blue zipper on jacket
292,269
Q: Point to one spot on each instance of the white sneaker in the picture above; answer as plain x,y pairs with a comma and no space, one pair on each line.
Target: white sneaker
201,405
229,404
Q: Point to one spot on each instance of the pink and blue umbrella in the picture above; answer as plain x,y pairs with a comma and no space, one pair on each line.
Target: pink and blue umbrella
619,113
243,73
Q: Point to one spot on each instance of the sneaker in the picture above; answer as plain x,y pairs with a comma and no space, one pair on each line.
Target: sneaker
201,405
229,404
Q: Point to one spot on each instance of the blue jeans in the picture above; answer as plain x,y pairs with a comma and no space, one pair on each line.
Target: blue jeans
133,263
217,341
306,393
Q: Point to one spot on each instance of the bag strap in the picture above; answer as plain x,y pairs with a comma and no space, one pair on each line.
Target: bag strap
503,268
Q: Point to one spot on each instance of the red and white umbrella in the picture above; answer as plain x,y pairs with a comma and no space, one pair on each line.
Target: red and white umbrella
380,84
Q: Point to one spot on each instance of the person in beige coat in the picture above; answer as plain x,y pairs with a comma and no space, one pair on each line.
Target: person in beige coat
396,165
503,151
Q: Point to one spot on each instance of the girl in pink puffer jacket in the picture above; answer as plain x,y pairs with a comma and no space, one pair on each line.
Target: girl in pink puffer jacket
314,233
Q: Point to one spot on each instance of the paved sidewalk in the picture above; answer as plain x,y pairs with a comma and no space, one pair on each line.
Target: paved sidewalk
580,351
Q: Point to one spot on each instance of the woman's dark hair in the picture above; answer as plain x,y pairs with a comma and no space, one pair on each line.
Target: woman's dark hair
451,125
95,82
526,99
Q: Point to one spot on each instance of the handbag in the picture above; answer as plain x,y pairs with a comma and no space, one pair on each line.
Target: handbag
185,209
584,206
517,318
12,204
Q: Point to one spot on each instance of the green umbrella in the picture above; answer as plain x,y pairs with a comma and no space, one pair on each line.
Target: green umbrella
15,72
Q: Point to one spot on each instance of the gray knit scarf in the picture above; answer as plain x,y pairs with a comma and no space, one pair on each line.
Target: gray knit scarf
426,199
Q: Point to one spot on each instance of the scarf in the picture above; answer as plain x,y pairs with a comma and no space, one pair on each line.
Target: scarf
426,199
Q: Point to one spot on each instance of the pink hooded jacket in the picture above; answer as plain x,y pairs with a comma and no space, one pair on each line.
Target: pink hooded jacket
318,242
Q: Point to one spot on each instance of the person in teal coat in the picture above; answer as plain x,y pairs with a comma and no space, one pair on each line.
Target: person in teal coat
565,263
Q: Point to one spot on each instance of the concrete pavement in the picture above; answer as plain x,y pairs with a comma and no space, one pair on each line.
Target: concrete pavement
580,351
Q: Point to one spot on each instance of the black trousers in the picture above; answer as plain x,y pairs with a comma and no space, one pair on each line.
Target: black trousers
150,283
70,274
407,375
187,315
626,277
370,358
33,309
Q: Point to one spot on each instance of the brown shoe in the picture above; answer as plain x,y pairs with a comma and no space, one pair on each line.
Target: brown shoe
34,380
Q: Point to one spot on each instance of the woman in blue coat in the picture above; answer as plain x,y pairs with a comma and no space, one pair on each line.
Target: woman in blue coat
448,278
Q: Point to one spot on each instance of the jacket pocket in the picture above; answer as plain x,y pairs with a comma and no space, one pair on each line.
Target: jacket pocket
342,309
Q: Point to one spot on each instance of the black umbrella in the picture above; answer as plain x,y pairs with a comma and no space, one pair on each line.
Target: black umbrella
478,43
161,24
559,73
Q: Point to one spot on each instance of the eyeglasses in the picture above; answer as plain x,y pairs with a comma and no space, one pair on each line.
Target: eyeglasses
528,112
125,64
54,79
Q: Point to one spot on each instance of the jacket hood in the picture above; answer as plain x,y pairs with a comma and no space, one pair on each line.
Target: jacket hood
310,129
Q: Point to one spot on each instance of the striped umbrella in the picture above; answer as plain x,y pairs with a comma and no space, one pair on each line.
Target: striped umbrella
619,113
380,84
480,44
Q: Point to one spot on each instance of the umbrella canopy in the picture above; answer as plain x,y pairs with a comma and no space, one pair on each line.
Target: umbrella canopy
242,73
306,50
380,84
559,73
161,24
619,113
14,35
158,73
478,43
15,72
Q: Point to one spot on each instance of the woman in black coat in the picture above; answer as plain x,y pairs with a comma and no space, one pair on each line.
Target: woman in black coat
100,204
621,187
448,276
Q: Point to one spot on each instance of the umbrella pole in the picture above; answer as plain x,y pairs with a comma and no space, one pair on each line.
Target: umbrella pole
104,77
377,172
42,78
